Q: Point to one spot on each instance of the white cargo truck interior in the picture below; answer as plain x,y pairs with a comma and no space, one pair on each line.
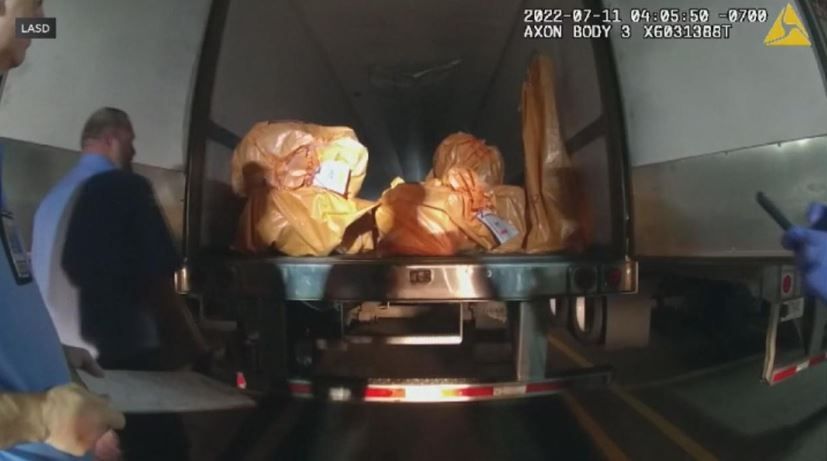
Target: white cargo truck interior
404,76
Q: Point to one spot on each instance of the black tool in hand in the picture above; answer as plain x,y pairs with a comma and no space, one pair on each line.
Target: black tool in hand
773,211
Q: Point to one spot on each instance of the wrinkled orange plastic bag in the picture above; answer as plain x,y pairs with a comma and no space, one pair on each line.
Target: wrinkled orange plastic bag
435,218
551,182
412,220
464,150
310,221
289,155
509,203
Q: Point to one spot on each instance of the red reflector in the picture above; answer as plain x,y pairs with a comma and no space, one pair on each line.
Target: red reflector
383,393
787,284
240,380
475,392
614,277
300,388
584,278
817,359
783,374
543,387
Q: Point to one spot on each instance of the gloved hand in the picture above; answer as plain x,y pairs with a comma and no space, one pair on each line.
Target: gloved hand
810,247
817,216
75,419
80,359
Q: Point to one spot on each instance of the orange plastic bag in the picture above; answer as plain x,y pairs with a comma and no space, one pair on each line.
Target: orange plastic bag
464,150
551,184
412,220
247,239
310,221
291,155
436,218
470,196
509,203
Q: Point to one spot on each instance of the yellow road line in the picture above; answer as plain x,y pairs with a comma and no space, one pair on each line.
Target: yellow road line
668,429
570,353
609,449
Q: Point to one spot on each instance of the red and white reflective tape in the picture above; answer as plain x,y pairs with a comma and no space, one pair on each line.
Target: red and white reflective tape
780,374
438,392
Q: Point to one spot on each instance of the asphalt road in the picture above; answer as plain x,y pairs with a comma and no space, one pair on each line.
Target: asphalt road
683,397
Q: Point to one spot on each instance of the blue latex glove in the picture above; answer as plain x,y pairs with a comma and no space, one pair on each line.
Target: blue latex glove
817,215
810,247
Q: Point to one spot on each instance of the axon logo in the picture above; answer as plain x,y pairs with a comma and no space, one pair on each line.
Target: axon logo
36,27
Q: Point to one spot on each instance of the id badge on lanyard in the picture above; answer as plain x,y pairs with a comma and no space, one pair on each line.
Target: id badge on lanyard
12,244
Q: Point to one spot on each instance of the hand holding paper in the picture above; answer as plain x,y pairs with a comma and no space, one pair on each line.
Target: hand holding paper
75,419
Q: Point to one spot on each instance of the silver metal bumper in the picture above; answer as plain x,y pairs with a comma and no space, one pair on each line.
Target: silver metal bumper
505,278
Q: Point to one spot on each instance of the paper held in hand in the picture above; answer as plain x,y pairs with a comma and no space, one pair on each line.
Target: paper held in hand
165,392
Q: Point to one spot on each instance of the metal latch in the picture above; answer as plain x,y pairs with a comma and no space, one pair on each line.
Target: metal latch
420,276
791,310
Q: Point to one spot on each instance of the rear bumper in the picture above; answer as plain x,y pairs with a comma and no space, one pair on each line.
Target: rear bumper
477,278
436,391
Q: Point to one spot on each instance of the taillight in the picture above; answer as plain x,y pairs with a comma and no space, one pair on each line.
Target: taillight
787,284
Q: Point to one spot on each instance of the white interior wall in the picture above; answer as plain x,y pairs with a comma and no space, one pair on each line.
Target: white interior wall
271,69
685,98
138,56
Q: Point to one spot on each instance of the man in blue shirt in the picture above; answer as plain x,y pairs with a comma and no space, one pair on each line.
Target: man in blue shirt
100,236
110,240
48,240
42,416
106,144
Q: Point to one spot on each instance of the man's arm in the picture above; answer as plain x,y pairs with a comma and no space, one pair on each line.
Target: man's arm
179,332
178,329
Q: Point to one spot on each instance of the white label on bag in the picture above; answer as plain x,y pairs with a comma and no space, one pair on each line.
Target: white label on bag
333,175
503,230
